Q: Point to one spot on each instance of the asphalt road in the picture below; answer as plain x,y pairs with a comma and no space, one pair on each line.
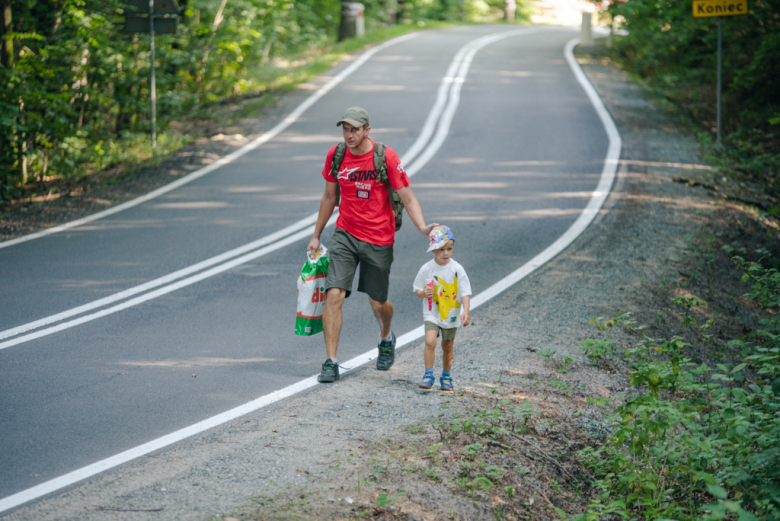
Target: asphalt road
523,154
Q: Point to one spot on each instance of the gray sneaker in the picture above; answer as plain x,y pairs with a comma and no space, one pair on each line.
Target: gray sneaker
386,354
330,372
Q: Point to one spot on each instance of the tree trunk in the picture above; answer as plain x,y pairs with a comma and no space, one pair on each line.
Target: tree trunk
344,29
509,10
6,45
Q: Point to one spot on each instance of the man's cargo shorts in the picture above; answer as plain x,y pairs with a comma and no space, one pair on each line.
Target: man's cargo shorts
346,252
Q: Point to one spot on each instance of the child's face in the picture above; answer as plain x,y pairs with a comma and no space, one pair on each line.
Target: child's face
444,253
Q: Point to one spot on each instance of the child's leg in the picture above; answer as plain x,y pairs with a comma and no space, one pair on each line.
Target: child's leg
430,349
447,348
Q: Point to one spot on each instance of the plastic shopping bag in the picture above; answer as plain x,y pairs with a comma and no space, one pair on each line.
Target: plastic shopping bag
311,293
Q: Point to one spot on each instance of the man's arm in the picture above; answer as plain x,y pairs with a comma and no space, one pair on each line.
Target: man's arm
415,212
327,204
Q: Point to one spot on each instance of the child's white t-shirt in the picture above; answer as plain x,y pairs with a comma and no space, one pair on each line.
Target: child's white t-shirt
450,285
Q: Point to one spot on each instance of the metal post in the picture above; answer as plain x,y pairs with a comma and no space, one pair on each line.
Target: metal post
154,89
720,40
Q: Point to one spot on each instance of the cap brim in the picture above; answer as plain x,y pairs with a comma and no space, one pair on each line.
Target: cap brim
351,122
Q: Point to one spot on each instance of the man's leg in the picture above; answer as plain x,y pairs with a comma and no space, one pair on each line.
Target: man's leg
331,320
383,311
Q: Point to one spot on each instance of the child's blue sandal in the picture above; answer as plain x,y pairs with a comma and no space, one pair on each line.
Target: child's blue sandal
446,383
427,381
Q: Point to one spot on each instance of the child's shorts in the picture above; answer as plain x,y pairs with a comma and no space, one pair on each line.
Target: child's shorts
446,333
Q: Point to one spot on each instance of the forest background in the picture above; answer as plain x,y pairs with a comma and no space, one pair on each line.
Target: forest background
76,90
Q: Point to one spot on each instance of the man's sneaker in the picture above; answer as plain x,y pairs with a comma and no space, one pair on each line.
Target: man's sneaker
330,372
386,353
427,381
446,383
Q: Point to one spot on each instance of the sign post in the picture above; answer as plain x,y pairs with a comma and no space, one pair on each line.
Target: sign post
136,22
719,8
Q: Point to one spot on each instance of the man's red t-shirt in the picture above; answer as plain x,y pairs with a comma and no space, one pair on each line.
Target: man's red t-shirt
365,211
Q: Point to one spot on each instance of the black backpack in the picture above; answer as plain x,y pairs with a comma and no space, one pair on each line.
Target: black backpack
380,165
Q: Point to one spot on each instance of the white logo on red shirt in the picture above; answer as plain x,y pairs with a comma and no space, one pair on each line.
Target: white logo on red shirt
363,186
344,174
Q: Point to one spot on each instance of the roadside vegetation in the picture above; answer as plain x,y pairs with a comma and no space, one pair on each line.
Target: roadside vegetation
76,89
675,54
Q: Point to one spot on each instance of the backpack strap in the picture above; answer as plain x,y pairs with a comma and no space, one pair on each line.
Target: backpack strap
335,166
380,166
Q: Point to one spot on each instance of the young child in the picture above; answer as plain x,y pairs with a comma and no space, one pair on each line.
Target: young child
444,288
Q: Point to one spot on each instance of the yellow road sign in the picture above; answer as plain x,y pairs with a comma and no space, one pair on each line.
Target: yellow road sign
705,8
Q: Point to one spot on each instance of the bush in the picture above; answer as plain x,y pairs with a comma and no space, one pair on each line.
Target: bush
696,442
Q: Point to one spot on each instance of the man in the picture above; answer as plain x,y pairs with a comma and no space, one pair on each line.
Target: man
365,233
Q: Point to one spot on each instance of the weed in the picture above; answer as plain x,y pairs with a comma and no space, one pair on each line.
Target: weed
565,366
384,500
621,319
559,385
415,429
471,450
597,350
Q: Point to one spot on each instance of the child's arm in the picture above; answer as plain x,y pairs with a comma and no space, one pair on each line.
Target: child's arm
464,316
424,293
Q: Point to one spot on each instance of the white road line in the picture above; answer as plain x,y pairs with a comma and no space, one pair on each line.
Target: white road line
587,216
443,102
308,221
286,122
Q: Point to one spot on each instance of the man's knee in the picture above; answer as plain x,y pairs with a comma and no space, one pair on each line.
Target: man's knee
378,306
335,297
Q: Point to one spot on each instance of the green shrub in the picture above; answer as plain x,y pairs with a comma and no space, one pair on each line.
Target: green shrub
694,441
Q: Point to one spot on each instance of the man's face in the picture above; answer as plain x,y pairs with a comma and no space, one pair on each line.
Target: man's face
354,136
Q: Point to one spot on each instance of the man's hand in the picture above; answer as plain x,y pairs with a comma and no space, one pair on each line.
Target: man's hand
314,243
465,317
426,230
414,211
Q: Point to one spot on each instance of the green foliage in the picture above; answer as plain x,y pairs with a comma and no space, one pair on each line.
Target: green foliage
493,423
677,54
597,350
384,500
694,441
76,91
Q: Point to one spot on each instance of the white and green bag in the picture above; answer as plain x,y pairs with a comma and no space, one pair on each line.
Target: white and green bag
311,293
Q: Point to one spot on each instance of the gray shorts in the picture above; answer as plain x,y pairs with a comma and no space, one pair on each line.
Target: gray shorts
346,252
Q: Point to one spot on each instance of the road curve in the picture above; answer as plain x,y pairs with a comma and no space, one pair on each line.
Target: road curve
522,157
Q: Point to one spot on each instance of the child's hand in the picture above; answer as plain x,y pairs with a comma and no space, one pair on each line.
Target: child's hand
428,292
465,318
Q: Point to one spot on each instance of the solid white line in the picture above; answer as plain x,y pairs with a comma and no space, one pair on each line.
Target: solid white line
281,126
308,221
594,204
454,98
587,216
433,117
303,234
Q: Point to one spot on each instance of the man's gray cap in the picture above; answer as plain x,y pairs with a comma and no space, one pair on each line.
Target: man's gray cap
355,116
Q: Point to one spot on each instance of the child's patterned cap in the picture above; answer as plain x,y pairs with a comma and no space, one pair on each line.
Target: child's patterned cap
440,236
